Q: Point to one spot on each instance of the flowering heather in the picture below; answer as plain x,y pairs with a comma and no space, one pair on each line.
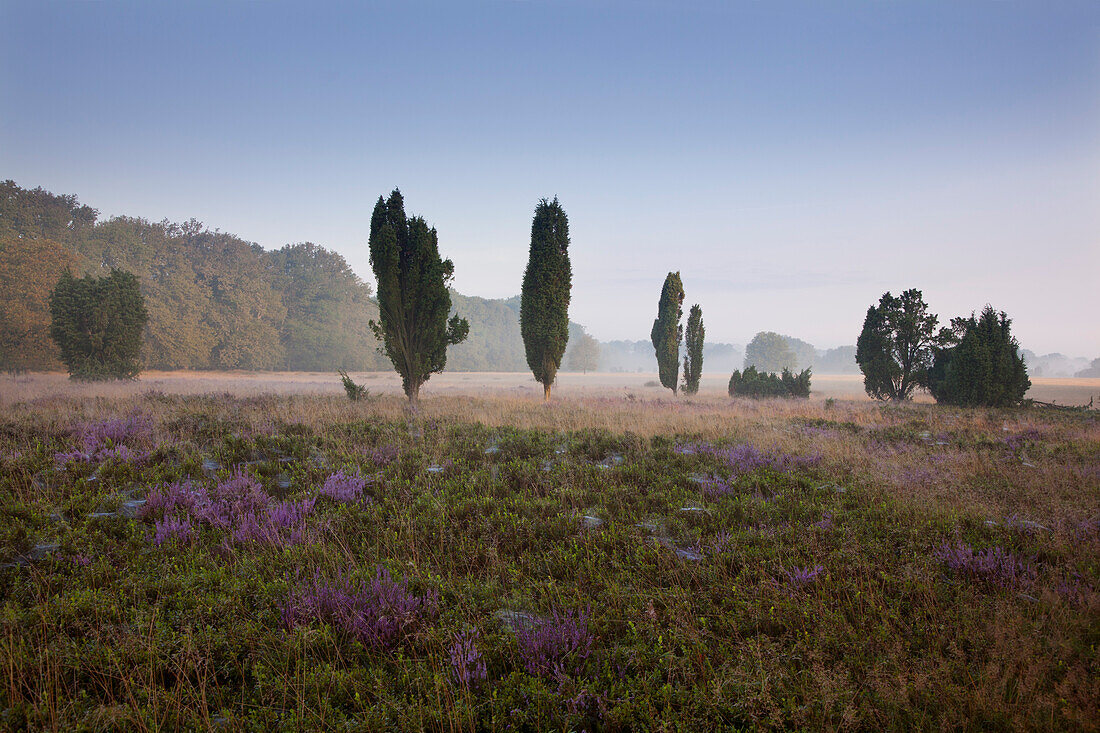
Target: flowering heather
172,528
995,564
715,486
101,454
1021,440
826,521
801,577
467,664
718,542
556,645
115,431
383,455
743,459
238,504
343,487
380,613
180,496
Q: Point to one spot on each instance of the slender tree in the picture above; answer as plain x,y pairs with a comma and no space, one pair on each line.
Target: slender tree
693,359
667,330
413,301
544,300
97,324
895,348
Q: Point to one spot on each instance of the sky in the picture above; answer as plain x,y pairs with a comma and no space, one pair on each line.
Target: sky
792,160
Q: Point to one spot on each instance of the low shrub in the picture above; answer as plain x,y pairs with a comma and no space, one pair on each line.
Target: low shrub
752,383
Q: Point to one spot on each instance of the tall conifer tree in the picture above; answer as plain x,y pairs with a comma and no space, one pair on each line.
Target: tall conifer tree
693,359
668,331
544,300
413,301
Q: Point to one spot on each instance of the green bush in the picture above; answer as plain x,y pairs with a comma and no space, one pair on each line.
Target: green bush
752,383
97,323
984,368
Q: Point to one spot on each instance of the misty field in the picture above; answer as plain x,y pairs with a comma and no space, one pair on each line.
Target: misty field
619,559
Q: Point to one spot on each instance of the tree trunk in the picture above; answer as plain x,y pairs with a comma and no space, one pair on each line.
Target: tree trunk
546,392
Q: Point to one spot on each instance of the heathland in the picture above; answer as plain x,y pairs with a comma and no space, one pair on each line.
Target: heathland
616,559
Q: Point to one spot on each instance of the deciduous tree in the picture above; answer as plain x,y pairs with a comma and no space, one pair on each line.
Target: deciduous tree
769,352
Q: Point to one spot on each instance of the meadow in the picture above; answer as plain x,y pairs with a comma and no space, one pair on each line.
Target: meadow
619,559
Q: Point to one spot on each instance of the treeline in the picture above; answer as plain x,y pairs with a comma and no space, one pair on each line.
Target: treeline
215,300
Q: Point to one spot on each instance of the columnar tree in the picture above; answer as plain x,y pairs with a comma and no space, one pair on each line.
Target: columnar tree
667,331
97,324
693,359
413,301
544,300
983,367
895,348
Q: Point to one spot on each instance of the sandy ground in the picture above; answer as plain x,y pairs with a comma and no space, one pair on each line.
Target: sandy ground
570,384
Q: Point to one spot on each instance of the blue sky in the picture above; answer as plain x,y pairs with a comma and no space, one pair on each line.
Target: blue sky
792,160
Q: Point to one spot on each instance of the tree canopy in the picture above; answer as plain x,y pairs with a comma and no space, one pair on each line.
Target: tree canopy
770,352
894,350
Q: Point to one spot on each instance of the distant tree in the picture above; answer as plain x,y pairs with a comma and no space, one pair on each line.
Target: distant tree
584,356
97,324
894,350
769,352
668,332
413,301
28,274
984,367
544,299
1090,372
325,302
693,359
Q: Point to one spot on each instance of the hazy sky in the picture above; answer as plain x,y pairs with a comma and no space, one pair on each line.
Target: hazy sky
792,160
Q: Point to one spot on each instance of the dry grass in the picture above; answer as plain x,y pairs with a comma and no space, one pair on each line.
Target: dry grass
470,384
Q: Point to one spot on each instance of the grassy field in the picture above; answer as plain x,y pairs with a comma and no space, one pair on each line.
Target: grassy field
617,560
1064,391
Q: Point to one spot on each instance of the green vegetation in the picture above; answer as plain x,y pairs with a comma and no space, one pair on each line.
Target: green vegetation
752,383
355,392
541,579
668,332
983,367
895,347
97,325
693,359
413,300
769,352
584,354
544,300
